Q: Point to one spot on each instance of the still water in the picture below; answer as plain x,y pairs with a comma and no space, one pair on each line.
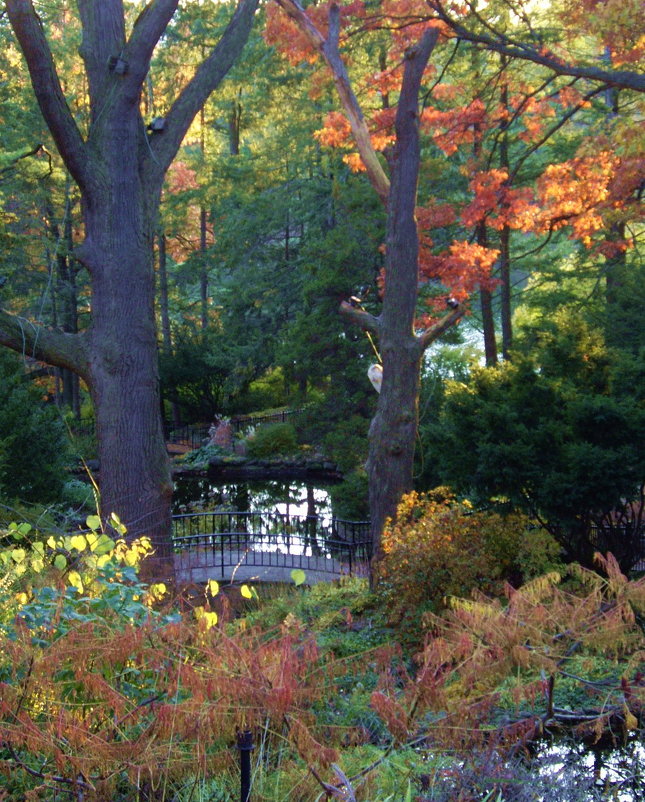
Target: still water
193,494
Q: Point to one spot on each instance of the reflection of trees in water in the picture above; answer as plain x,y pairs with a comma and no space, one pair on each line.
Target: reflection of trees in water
302,504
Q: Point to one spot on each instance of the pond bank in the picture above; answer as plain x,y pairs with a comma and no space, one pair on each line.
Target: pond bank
241,469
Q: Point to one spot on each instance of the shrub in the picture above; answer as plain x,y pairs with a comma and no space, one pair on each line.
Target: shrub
33,451
439,547
346,442
350,497
540,553
79,494
273,439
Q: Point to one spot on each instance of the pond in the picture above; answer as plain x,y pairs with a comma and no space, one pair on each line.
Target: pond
582,773
200,494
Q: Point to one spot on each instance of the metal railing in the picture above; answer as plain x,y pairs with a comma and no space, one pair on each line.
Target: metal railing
244,421
221,540
196,435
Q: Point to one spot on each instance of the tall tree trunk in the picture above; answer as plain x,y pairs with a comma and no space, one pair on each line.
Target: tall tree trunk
235,125
393,429
505,232
486,306
64,293
119,171
203,275
203,233
164,313
68,271
505,290
135,476
164,307
488,323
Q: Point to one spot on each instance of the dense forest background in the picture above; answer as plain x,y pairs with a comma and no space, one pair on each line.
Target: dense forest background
213,209
529,211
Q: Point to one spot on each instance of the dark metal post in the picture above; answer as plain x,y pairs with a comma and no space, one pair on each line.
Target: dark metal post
245,745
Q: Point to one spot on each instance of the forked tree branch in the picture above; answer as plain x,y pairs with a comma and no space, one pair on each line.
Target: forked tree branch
49,94
148,29
206,79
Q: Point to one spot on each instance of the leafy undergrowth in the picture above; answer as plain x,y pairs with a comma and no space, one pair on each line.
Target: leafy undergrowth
109,691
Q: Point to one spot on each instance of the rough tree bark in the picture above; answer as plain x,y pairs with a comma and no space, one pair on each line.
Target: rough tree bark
119,169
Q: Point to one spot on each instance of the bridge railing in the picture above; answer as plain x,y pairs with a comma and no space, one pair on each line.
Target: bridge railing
220,540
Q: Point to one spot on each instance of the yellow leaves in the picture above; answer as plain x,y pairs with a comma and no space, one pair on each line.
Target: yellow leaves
74,580
249,592
131,554
631,722
298,576
212,587
206,618
18,555
156,592
78,542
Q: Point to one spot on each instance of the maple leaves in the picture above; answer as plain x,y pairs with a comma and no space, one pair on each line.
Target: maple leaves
455,127
618,24
587,194
293,43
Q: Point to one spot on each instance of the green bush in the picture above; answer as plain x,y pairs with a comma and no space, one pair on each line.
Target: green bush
79,494
350,498
33,443
273,439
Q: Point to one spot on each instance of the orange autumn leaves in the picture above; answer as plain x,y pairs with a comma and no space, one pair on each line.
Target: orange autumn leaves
590,195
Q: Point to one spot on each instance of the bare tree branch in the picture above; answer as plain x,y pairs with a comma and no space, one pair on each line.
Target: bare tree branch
49,94
328,49
23,155
440,327
36,341
497,41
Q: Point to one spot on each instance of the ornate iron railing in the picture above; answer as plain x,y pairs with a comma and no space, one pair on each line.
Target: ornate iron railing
223,540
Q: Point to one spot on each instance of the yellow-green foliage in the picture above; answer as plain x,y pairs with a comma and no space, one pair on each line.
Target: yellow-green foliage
439,547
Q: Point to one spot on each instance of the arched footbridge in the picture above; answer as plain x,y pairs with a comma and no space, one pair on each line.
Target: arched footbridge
267,546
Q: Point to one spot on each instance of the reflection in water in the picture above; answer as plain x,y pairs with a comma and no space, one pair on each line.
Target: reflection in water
286,498
280,517
580,772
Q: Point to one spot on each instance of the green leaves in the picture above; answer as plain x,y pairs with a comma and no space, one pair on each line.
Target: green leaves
18,531
93,522
60,561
